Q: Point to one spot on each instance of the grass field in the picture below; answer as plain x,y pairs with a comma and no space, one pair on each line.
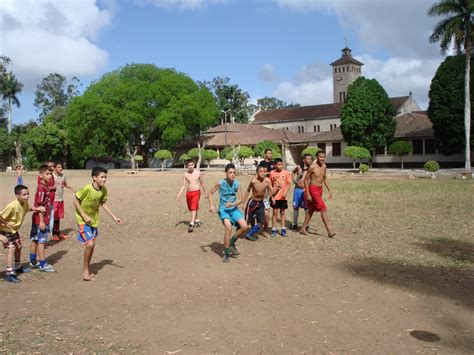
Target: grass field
397,278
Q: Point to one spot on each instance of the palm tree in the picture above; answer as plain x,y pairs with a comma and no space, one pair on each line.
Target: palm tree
10,87
456,30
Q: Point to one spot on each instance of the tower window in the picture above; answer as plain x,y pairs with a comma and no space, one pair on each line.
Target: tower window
340,97
343,69
319,128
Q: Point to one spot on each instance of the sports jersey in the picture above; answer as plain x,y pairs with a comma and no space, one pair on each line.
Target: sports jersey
42,199
59,181
90,200
269,165
227,193
14,213
281,179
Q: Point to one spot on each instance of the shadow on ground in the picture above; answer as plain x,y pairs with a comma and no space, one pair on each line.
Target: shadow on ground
215,247
96,267
454,250
54,258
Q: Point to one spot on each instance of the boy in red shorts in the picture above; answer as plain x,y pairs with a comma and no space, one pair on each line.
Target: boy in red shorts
192,182
313,193
58,205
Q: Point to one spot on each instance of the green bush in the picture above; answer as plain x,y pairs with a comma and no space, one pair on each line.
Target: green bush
193,153
184,157
400,148
431,165
223,153
208,155
363,168
244,152
163,154
356,153
311,151
260,148
138,157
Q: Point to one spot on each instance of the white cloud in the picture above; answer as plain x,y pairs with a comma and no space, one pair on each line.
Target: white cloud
267,73
44,36
180,4
305,93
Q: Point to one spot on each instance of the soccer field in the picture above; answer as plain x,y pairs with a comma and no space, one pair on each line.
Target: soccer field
397,278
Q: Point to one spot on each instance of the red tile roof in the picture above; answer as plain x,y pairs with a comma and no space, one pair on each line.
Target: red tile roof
303,113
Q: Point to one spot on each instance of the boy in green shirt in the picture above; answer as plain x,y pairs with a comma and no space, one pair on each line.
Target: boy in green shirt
87,203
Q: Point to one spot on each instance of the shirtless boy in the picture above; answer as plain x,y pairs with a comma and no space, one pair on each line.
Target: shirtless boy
313,193
298,194
259,186
192,182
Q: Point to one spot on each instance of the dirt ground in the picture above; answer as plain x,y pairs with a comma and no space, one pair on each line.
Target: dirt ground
397,278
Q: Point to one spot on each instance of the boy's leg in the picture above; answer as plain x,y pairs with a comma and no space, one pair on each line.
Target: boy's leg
283,221
227,234
34,254
296,214
307,218
325,218
17,266
88,252
274,221
10,274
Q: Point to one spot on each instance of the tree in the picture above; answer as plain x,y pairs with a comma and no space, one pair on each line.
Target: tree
163,155
10,87
272,103
184,158
446,106
311,151
367,115
400,148
243,153
53,92
138,105
357,154
229,98
208,155
456,30
259,149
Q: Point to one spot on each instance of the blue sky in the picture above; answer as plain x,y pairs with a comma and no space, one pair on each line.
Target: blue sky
276,48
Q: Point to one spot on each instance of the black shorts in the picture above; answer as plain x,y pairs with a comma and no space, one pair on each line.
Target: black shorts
13,239
255,210
280,204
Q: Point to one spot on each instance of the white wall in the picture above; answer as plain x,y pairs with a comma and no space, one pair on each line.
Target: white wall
308,125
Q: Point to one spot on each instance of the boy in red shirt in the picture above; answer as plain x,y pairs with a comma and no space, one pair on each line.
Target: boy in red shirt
40,226
281,181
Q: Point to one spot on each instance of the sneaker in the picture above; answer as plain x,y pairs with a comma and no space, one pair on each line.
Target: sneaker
294,226
12,278
35,265
234,251
190,227
22,270
55,238
251,237
47,268
225,258
274,233
283,232
197,224
254,230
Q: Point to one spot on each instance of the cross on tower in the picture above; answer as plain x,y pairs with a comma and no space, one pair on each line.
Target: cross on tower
345,40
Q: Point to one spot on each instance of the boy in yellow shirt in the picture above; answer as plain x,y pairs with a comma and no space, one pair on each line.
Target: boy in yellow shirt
11,219
87,203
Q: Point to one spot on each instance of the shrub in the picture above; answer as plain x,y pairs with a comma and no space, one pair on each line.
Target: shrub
260,149
356,154
193,153
400,148
209,155
244,152
431,165
363,168
311,151
184,157
163,155
223,153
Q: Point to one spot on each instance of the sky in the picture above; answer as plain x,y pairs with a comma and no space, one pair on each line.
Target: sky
279,48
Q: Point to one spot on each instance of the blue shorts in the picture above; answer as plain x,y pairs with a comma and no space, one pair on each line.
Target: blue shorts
38,235
298,199
86,233
19,180
232,214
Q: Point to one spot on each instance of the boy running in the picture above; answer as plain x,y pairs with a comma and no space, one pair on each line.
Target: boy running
281,181
259,186
19,174
87,203
40,225
313,187
11,219
298,194
230,197
58,205
192,182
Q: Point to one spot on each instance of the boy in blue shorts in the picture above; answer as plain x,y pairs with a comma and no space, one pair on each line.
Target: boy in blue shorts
40,226
230,197
298,193
87,203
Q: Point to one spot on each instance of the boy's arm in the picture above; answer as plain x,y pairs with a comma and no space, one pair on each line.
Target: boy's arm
307,179
67,186
111,214
271,190
182,188
239,196
247,192
201,181
79,210
211,192
327,185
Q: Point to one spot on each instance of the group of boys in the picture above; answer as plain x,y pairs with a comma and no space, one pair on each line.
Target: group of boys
267,190
47,210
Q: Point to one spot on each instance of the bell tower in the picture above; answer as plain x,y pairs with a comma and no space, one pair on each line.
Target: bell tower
345,71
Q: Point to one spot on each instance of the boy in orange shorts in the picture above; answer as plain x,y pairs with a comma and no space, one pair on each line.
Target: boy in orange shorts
313,193
192,182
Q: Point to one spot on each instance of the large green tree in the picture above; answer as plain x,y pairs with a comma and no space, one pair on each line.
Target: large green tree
272,103
54,91
137,105
10,87
231,99
456,30
446,106
367,117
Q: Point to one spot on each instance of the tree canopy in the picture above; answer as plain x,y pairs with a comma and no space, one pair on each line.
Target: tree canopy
139,104
367,117
446,106
400,148
259,149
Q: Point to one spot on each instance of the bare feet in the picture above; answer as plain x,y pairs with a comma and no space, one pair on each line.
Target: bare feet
265,234
86,276
304,230
332,235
